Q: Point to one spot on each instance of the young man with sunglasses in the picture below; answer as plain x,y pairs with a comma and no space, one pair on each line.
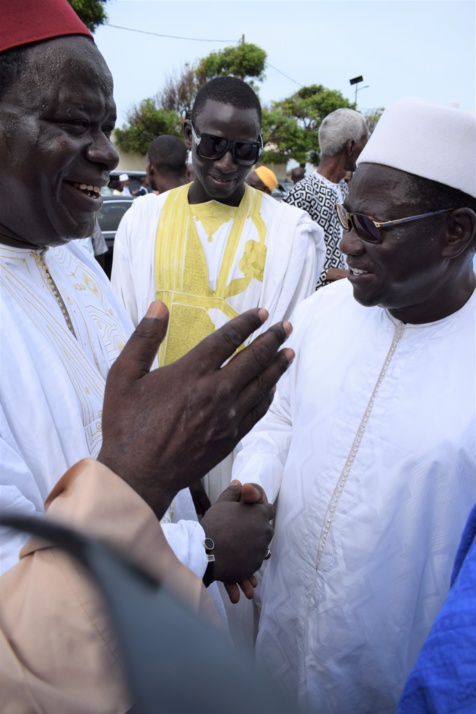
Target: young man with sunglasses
371,439
216,247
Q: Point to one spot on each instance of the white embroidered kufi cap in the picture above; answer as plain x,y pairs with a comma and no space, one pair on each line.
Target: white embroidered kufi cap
428,140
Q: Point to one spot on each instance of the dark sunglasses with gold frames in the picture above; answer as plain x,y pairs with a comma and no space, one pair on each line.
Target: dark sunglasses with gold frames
371,231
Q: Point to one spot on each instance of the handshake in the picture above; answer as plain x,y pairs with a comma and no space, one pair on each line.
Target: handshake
165,429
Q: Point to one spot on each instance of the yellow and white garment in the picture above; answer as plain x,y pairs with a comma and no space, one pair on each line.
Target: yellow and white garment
206,255
234,241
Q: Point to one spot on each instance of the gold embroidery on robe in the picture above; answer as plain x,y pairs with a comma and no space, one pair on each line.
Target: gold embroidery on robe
181,273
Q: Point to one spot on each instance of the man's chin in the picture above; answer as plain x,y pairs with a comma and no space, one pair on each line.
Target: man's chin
366,299
225,193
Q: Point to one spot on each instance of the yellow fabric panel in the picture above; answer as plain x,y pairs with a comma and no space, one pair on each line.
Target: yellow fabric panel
181,274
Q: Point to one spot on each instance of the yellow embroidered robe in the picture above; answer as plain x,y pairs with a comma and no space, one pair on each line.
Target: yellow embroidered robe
181,273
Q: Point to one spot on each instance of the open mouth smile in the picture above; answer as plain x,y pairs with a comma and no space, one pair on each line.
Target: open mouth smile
356,271
88,189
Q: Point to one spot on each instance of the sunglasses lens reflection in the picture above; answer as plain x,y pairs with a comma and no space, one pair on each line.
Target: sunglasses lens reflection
212,147
247,152
365,228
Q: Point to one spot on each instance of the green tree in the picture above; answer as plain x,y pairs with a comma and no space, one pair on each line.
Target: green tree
91,12
179,91
291,125
145,122
372,117
246,61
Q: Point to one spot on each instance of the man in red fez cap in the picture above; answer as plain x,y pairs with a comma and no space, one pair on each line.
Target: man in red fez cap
62,331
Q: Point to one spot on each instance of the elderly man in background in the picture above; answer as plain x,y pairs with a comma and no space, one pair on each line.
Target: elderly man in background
342,136
167,163
370,441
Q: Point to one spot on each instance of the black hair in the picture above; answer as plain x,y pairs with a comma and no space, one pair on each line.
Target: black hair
432,195
168,153
227,90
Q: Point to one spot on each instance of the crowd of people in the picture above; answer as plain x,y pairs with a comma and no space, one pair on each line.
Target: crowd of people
320,518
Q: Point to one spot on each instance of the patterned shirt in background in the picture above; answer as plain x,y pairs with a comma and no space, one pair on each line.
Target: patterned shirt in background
318,196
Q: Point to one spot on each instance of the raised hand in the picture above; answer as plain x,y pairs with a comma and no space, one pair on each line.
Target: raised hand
163,430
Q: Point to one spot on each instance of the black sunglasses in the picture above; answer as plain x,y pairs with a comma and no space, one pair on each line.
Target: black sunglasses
214,147
370,230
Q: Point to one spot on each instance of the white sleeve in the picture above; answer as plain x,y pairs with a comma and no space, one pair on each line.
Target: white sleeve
305,264
261,456
18,494
296,254
186,540
121,276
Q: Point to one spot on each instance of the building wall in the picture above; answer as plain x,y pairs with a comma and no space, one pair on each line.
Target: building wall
131,162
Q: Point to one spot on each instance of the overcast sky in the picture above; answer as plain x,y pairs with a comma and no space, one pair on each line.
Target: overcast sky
420,48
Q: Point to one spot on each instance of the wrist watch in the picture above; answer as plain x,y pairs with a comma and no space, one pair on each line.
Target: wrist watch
209,545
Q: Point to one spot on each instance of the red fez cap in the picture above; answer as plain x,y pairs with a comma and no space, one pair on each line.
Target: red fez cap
25,21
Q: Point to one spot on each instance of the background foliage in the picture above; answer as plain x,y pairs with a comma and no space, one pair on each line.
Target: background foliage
91,12
290,125
164,113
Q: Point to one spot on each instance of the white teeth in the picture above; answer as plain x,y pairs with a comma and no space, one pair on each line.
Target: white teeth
356,271
87,187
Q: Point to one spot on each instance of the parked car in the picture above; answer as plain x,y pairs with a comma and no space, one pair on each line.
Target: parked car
109,217
283,187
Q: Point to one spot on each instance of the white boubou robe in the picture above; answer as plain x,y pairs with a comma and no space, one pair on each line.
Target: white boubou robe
52,383
371,445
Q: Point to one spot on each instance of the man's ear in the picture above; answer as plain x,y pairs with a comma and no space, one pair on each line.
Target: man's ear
187,133
349,147
460,232
149,169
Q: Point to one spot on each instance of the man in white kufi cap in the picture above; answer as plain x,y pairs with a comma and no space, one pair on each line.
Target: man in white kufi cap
370,442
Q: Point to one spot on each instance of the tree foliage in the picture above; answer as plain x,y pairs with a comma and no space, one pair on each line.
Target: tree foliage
290,126
91,12
246,61
372,117
145,123
180,91
164,113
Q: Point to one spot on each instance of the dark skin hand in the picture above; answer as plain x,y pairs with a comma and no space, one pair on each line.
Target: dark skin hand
163,430
239,524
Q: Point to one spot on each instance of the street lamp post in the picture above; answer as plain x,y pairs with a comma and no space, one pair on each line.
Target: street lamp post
357,81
